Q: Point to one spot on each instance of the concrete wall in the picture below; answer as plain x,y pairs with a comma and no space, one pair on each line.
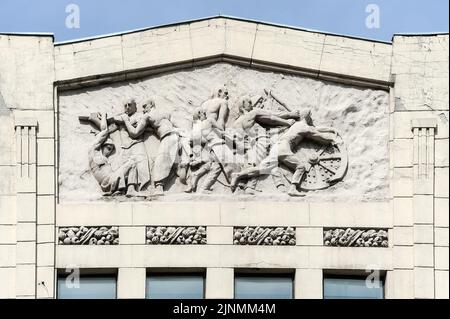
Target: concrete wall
26,164
419,125
416,214
220,257
7,202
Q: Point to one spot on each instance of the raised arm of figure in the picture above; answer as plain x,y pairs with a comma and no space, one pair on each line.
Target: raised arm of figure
325,129
137,131
95,120
223,114
272,119
323,137
104,133
290,115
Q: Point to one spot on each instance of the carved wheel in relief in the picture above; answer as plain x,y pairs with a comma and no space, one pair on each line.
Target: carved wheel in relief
327,164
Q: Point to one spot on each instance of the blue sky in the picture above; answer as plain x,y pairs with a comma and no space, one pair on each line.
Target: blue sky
337,16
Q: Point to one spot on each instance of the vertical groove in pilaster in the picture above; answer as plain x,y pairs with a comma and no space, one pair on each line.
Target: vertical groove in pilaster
26,181
423,199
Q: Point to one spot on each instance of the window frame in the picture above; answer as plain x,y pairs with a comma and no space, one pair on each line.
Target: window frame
267,273
352,275
177,272
90,273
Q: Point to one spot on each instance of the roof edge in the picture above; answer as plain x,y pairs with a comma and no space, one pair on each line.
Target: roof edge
30,34
211,18
419,34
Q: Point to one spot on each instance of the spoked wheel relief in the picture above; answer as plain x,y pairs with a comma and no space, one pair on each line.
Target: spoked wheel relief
327,164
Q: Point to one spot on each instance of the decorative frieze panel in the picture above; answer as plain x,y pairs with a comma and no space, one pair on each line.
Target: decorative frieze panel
223,131
264,236
88,235
176,235
351,237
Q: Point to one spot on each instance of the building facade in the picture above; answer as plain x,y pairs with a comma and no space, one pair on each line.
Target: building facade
148,156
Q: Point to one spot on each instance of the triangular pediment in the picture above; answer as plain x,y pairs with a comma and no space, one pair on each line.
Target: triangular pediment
215,39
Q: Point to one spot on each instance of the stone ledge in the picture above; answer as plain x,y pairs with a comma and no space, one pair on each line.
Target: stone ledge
25,122
424,123
228,214
224,256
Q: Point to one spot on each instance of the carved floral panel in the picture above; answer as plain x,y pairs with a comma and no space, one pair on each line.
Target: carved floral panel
88,235
176,235
264,236
352,237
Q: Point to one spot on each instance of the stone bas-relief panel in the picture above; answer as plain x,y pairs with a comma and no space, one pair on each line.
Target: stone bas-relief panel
223,132
356,237
88,235
176,235
264,236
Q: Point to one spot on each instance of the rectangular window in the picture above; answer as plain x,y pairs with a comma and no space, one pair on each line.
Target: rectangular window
87,287
247,286
175,286
349,287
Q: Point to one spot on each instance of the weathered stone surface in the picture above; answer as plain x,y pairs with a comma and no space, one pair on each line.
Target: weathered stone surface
420,65
368,59
288,47
7,147
27,74
89,58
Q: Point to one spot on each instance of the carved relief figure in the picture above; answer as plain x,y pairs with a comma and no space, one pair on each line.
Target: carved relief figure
216,108
124,180
170,138
260,141
284,152
208,133
212,115
252,125
133,146
199,165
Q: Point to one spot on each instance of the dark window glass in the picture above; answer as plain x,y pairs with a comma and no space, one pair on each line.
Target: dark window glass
263,287
352,288
89,287
175,287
